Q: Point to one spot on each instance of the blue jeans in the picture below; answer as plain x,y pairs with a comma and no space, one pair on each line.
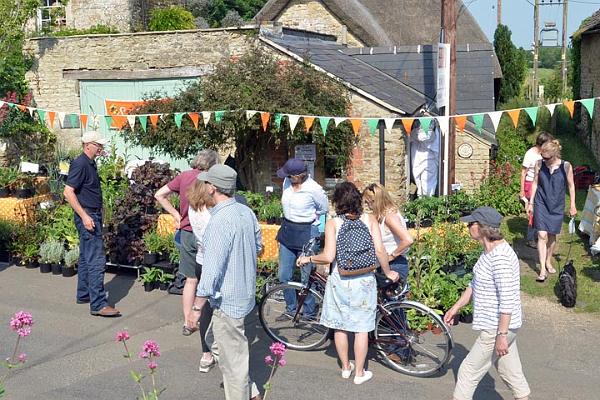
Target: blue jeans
400,265
92,263
287,263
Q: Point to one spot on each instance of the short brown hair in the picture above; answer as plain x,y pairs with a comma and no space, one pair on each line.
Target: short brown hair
347,199
490,233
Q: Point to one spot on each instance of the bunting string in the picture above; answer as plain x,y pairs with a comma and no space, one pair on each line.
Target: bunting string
118,121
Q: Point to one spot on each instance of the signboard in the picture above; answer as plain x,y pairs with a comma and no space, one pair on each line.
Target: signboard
118,109
443,75
308,153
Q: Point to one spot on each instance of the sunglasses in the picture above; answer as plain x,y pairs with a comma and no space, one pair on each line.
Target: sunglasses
470,224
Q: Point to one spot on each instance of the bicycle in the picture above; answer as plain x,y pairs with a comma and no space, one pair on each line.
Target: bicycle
403,331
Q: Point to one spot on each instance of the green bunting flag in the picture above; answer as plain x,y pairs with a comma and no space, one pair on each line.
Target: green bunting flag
108,120
372,122
41,114
324,122
278,118
425,122
219,115
11,105
143,121
478,121
178,117
73,118
532,112
589,106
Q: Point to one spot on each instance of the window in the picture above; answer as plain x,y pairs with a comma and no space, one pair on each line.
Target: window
50,15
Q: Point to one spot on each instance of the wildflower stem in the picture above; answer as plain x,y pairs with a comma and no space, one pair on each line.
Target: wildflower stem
152,376
273,368
139,383
12,362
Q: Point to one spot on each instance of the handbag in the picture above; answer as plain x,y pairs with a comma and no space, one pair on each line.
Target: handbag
294,235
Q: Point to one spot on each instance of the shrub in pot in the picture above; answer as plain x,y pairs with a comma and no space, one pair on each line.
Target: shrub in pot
71,259
154,247
25,186
51,252
8,179
44,252
30,255
164,280
466,314
150,278
7,235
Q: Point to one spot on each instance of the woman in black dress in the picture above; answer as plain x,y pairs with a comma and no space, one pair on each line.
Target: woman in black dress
552,175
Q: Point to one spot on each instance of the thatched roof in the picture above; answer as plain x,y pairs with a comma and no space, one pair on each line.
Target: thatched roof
389,23
590,25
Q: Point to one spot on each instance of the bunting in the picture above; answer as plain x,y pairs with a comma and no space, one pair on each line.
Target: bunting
338,120
250,114
195,117
570,104
41,115
372,122
154,120
551,108
514,116
178,116
205,117
478,121
264,119
73,118
356,123
143,121
589,106
51,117
407,123
278,118
131,121
460,121
293,120
532,112
83,118
308,121
324,122
389,123
425,123
219,115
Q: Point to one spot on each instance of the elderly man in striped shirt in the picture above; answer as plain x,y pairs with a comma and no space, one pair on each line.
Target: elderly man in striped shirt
231,242
495,292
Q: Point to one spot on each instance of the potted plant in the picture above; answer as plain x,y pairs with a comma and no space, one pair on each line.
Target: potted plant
44,253
30,255
164,280
71,259
8,178
271,212
7,233
174,258
154,247
466,314
150,278
54,255
24,186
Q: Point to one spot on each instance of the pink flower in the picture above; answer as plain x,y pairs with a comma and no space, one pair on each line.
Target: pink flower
21,323
152,365
151,348
122,336
22,357
268,360
143,354
282,362
277,349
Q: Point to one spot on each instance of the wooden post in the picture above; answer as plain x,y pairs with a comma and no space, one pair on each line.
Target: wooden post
536,44
499,13
449,28
564,46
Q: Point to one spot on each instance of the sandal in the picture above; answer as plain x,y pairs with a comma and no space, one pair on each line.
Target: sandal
186,331
551,269
541,278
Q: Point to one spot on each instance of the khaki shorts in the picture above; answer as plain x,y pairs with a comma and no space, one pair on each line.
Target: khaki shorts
187,255
480,359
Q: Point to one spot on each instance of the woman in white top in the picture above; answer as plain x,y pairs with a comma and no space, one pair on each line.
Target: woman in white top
532,156
396,238
199,215
350,302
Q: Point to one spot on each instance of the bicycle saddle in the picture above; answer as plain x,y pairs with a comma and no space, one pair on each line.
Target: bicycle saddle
382,280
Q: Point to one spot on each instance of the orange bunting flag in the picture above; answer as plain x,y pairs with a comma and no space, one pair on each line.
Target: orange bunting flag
22,107
460,121
514,116
83,118
308,121
51,117
195,117
570,104
356,123
118,121
264,119
154,120
407,123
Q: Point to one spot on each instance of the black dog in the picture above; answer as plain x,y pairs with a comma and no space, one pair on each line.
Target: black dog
567,285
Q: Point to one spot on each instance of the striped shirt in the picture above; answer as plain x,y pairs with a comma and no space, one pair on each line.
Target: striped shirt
231,241
496,288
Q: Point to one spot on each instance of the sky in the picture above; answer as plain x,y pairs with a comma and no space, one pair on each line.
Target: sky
518,16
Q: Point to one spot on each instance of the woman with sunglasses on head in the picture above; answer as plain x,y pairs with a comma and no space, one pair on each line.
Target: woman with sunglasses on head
395,236
552,176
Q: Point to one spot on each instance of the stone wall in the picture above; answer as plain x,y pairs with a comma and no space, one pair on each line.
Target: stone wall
470,170
590,87
312,15
82,14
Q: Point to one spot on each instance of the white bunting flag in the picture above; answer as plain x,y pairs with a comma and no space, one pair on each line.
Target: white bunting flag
1,103
61,118
389,123
250,114
495,117
205,117
293,119
31,110
551,108
443,122
131,120
338,120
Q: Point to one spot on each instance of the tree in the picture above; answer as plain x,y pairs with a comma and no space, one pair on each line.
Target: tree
512,62
256,81
215,11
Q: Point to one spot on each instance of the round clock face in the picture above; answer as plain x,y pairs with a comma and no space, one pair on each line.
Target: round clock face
465,150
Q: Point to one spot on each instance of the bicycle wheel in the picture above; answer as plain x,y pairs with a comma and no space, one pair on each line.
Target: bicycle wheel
296,330
412,338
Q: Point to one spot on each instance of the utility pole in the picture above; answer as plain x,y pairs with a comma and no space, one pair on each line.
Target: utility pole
563,55
499,13
536,45
449,36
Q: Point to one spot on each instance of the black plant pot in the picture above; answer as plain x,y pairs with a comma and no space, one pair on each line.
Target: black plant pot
148,286
466,318
150,258
4,192
24,193
16,260
32,264
56,269
163,285
45,268
114,258
455,320
426,223
68,272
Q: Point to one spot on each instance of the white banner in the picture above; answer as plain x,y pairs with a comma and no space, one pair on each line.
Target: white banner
443,75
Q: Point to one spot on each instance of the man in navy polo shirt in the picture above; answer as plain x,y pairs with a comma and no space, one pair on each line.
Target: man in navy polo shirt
84,194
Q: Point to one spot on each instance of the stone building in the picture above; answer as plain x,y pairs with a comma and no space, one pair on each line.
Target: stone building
393,77
590,79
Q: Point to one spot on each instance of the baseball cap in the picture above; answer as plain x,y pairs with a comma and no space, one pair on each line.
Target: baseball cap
93,137
293,166
484,215
221,176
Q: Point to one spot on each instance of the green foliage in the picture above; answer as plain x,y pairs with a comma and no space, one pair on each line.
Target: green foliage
215,11
150,274
93,30
155,243
165,277
8,231
500,189
173,18
442,208
267,207
512,62
27,241
248,84
553,87
111,170
8,177
51,251
72,257
60,225
449,243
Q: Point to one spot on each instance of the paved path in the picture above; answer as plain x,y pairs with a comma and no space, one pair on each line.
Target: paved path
73,355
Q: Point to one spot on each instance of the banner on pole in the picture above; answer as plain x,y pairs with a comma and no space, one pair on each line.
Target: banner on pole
443,75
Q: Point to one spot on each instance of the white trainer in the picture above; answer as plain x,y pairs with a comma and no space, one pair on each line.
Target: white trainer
359,380
347,372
